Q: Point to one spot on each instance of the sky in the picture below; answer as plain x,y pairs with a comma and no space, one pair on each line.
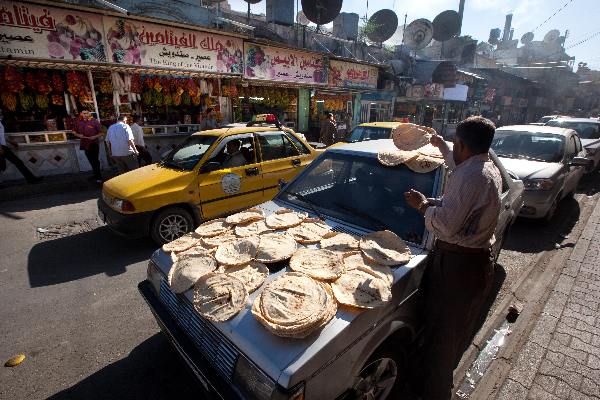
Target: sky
580,17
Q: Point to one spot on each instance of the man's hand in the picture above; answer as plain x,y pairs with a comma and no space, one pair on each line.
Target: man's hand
415,199
439,142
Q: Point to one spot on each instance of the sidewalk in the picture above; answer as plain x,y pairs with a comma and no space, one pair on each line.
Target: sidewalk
561,358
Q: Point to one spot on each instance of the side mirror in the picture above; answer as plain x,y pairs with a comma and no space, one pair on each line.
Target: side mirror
210,166
580,162
282,184
513,176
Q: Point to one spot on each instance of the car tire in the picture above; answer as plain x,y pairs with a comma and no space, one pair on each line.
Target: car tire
381,376
169,224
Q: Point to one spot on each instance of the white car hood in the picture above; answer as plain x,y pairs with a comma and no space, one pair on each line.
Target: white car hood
280,357
529,169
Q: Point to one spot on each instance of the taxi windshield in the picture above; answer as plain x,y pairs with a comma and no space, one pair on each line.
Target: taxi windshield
362,133
360,191
185,156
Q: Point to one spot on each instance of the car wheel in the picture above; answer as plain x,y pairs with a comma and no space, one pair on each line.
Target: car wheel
171,223
376,380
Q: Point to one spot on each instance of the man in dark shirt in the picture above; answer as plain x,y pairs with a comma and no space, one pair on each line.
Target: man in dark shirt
88,129
328,130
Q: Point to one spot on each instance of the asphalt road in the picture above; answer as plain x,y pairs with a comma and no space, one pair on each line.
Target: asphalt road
69,300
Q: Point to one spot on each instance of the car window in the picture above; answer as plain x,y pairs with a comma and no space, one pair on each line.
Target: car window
362,192
362,133
585,130
535,146
299,145
187,154
276,145
235,151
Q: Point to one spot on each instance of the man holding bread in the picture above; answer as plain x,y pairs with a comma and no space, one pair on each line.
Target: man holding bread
460,272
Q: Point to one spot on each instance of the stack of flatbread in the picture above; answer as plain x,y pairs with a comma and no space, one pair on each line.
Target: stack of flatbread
413,148
294,305
219,297
284,218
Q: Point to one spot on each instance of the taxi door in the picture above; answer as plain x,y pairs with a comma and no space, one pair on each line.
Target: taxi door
283,157
228,189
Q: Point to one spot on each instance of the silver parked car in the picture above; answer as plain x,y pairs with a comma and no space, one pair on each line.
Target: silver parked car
549,160
358,353
588,130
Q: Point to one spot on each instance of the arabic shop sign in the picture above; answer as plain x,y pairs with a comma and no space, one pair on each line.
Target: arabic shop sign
278,64
350,75
35,31
153,45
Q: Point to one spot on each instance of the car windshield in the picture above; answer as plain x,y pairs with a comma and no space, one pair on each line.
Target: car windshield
585,130
360,191
544,119
536,146
187,154
362,133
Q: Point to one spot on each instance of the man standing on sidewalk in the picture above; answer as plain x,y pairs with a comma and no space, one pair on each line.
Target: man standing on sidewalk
121,146
328,130
138,139
460,274
7,154
88,130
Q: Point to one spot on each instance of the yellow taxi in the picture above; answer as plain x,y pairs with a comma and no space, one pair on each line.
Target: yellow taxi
212,173
372,131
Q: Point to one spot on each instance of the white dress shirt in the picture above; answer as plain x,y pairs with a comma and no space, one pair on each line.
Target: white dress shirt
118,136
468,212
138,135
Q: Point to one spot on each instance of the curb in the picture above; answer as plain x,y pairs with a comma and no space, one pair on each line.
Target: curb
532,289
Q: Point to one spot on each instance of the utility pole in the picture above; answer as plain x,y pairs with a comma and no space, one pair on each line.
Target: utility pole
461,11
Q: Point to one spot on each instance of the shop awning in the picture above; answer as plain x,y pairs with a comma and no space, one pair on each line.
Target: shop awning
92,66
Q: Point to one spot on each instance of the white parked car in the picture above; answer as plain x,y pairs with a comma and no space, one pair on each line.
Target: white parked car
358,354
588,130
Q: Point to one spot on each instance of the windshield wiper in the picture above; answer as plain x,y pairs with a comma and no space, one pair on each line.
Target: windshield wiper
171,164
363,214
308,202
509,155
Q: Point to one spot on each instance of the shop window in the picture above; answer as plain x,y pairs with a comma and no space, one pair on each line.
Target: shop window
276,145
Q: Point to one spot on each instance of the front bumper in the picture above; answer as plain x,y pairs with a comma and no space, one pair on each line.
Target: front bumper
212,384
536,203
130,225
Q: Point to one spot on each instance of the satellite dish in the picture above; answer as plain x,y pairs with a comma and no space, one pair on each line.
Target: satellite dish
321,11
253,1
494,36
446,25
418,34
527,38
552,36
301,18
385,23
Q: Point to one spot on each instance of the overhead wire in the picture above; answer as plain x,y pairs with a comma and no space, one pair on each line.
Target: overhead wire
553,15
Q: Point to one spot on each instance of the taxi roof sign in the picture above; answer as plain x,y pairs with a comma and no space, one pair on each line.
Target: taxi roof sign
264,119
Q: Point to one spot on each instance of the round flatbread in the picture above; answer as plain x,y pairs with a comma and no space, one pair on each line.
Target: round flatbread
392,158
218,240
213,228
219,297
310,231
252,274
284,218
182,243
275,247
424,164
339,242
319,264
237,252
360,289
198,249
430,151
410,137
252,229
246,216
357,261
294,305
188,269
385,248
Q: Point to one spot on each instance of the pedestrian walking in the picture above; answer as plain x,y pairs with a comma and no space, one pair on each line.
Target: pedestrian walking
89,130
121,147
328,130
138,139
459,276
210,120
7,154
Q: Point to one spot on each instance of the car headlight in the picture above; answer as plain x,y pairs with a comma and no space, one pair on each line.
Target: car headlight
154,276
253,383
538,184
123,205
